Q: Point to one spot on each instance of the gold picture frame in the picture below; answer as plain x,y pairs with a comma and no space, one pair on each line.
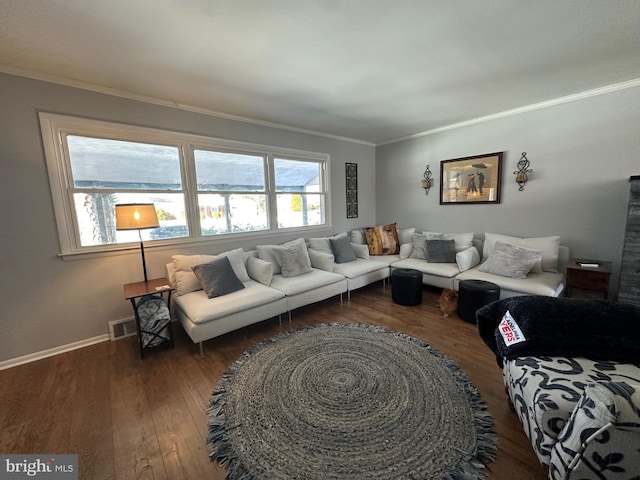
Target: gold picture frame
471,180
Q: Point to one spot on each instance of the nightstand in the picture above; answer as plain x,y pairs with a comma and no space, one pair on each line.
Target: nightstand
588,278
159,335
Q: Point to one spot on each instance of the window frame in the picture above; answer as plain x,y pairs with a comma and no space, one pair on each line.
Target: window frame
55,127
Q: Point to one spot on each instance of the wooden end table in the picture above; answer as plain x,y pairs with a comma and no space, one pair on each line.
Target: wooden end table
136,290
588,278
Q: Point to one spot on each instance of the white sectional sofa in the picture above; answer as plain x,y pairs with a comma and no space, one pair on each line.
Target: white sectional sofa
321,268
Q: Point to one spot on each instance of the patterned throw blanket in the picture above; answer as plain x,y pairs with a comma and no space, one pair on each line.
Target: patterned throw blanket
566,327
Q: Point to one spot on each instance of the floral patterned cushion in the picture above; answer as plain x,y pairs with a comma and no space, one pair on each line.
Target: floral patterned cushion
545,392
595,443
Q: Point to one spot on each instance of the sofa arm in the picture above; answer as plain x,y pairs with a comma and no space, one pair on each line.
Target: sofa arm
602,437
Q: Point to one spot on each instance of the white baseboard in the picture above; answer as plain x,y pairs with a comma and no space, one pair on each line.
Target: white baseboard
32,357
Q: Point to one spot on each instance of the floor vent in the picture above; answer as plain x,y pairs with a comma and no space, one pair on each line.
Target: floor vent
122,328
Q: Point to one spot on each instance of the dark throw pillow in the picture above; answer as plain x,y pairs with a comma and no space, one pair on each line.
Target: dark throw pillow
342,249
441,251
217,278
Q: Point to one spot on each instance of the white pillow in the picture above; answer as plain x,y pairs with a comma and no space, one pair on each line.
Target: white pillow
467,259
265,252
321,245
548,246
462,240
406,249
321,260
260,270
419,244
236,258
406,235
186,280
357,236
508,260
362,251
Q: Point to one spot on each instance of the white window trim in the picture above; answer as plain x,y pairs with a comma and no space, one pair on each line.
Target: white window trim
54,126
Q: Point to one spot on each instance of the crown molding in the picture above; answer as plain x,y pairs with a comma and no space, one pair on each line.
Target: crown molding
253,121
528,108
167,103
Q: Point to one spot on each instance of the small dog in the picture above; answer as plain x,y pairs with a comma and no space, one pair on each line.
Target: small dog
448,302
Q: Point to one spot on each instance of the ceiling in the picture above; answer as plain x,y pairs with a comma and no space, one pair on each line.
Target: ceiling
370,70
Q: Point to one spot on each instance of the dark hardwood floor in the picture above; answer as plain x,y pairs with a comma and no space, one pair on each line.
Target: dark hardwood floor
145,419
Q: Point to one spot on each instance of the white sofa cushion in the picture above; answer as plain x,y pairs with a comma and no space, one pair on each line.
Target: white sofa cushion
548,246
185,279
361,251
201,309
462,240
358,267
545,283
305,282
447,270
467,259
260,270
321,260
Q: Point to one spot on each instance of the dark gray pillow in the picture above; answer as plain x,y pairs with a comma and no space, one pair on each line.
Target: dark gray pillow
217,278
441,251
342,249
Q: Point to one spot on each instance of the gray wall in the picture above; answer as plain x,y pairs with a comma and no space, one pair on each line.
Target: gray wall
582,154
47,302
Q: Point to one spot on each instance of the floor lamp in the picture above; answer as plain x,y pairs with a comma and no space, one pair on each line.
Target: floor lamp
136,216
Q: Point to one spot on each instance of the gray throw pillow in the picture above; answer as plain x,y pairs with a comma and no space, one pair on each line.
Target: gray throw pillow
293,258
441,251
420,244
342,249
510,260
217,278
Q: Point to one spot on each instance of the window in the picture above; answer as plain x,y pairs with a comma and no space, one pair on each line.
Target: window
201,187
300,200
232,193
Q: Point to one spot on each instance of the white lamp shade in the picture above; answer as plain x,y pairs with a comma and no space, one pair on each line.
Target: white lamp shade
136,216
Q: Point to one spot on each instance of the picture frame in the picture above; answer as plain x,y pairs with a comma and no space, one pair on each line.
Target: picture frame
351,181
471,180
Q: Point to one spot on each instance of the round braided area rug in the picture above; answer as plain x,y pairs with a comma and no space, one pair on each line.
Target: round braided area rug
348,401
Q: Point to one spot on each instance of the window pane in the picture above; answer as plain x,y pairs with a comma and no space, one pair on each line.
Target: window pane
216,171
232,213
297,176
115,164
97,224
295,210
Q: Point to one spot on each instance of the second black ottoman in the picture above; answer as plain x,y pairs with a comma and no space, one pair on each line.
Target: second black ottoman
473,294
406,286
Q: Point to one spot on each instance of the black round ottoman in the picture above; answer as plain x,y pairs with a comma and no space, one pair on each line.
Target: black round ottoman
474,294
406,286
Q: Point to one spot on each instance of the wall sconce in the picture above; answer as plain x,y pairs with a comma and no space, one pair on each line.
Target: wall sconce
427,182
523,169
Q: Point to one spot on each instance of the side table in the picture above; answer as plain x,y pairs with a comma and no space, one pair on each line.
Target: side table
588,278
161,336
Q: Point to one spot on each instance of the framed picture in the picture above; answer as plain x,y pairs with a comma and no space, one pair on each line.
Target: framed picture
471,179
351,178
